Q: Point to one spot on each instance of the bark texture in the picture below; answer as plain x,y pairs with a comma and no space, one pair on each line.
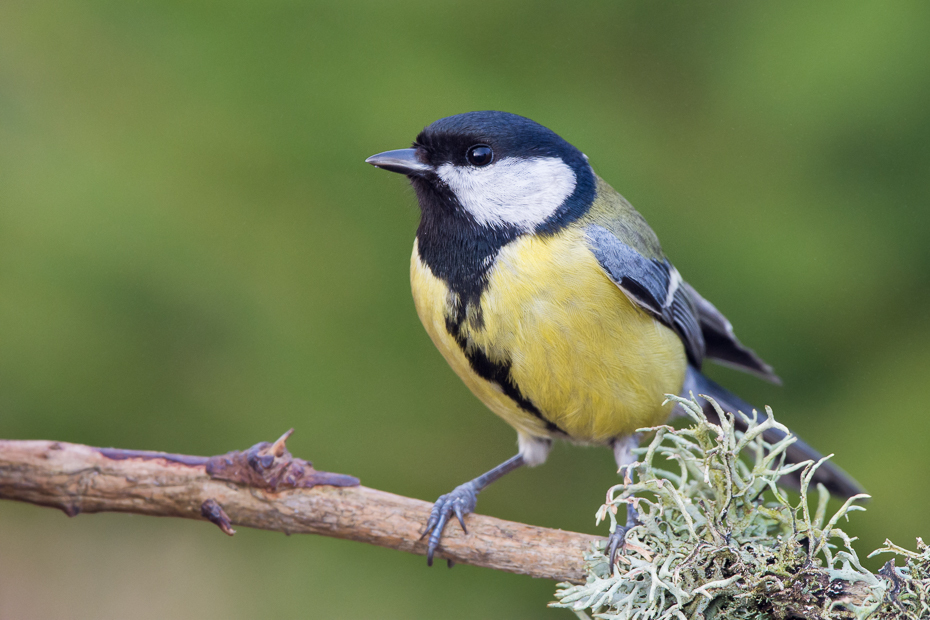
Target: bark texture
266,488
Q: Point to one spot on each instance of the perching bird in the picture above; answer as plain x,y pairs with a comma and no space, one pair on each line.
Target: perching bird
549,295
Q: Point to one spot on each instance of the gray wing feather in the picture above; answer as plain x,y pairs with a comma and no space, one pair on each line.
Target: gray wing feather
652,284
722,344
655,285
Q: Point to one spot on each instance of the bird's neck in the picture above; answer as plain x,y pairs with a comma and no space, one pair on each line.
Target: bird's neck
459,252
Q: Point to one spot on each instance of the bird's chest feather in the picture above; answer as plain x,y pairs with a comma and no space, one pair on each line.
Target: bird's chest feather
553,346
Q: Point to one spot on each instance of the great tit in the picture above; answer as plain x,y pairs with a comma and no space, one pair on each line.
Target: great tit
551,298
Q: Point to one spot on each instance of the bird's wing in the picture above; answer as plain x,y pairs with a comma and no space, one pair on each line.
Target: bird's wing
653,284
721,343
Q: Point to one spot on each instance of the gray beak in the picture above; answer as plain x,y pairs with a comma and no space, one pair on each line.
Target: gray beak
403,161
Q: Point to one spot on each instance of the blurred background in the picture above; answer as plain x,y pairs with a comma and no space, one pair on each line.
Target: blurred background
194,258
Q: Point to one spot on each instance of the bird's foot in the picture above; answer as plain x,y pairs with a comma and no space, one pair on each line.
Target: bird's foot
615,542
459,502
617,539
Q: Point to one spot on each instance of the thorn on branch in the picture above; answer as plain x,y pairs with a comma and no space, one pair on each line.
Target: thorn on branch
270,466
264,465
214,513
278,448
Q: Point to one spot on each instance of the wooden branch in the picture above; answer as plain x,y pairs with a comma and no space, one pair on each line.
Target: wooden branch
266,488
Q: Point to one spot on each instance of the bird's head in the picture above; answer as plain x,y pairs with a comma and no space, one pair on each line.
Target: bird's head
495,170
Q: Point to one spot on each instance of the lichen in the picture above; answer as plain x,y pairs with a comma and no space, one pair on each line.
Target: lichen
719,539
907,593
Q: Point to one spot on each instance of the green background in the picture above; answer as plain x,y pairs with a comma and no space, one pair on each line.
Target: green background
194,257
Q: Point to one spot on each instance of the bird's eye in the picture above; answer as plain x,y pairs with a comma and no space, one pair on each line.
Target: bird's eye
480,155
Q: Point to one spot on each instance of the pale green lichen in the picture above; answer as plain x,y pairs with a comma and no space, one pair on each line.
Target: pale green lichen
718,538
908,587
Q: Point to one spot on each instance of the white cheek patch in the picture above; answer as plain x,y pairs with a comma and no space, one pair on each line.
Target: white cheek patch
519,192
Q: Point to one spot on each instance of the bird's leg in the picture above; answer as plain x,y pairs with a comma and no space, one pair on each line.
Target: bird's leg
623,454
460,502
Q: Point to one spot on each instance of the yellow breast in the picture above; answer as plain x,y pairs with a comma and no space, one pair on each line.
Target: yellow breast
592,363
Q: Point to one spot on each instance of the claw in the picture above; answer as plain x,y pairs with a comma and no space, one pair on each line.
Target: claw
460,515
615,542
433,519
459,502
435,535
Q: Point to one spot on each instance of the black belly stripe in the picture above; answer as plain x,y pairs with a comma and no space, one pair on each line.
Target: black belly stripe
498,373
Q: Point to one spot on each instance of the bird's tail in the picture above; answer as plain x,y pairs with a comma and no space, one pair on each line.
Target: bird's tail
836,481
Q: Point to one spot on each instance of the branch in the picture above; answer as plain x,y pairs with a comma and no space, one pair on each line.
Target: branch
266,488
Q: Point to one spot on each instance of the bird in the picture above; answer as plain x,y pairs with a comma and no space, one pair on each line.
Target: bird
551,298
